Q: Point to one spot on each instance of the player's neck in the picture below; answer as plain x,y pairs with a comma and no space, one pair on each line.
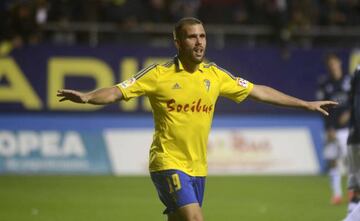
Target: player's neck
189,66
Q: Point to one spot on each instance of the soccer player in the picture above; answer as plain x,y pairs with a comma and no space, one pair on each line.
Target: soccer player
183,94
335,86
354,149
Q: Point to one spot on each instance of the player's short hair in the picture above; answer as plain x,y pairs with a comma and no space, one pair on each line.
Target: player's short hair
180,24
331,55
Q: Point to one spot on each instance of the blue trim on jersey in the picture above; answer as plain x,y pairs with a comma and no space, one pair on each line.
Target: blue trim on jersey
144,71
227,72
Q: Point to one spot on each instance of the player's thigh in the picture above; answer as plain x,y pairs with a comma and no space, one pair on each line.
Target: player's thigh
177,189
190,212
173,217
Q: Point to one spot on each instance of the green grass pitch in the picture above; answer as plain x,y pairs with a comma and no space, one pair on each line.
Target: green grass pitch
110,198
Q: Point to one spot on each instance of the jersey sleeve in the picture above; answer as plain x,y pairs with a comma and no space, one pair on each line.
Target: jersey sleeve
234,88
142,83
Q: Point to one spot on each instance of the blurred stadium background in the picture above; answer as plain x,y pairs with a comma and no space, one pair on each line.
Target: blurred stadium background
59,161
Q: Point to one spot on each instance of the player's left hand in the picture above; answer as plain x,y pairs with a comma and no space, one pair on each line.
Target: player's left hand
71,95
321,106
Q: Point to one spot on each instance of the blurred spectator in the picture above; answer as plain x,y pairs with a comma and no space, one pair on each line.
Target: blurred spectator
184,8
259,12
4,19
24,28
126,13
41,11
24,19
351,8
5,36
219,11
61,11
303,15
332,13
157,11
241,13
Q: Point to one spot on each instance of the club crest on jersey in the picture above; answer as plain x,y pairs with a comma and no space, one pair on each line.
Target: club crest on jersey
242,82
176,86
127,83
207,84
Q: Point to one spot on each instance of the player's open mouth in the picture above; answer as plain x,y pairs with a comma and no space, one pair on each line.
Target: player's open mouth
199,51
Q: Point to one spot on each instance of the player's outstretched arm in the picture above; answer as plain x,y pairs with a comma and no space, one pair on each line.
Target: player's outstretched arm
269,95
100,96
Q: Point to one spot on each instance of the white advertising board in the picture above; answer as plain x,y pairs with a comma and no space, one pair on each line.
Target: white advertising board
253,150
262,151
128,150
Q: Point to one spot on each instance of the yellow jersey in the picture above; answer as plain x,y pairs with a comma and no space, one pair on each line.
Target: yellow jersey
183,106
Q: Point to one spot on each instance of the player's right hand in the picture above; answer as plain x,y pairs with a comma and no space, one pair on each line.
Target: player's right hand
321,106
71,95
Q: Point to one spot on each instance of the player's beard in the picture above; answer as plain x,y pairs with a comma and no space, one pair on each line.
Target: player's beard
195,56
198,55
